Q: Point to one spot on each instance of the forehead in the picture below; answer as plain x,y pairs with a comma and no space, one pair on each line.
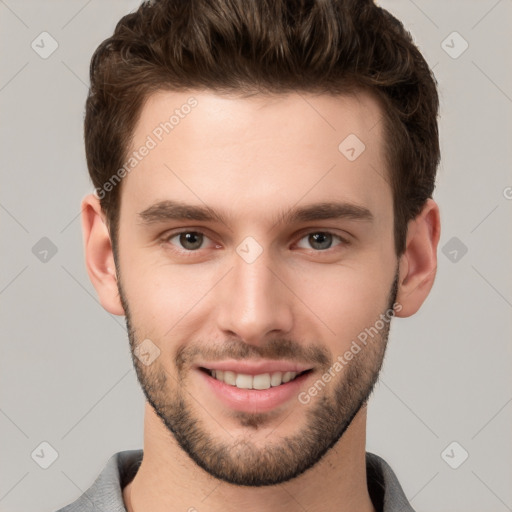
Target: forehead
253,152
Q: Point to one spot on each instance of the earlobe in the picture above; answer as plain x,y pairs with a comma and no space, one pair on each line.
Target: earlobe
99,257
418,264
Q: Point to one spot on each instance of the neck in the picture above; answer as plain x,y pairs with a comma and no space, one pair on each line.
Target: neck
168,480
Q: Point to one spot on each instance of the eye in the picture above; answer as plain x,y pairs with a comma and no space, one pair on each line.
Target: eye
187,240
320,240
192,241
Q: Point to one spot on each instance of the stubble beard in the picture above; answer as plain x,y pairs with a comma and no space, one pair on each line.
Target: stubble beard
239,460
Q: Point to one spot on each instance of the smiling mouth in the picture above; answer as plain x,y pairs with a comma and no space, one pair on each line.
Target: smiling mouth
258,382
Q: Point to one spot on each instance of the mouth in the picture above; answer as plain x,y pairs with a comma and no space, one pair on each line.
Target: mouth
256,387
260,381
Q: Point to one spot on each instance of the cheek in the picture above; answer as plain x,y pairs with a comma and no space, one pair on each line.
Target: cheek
346,300
164,298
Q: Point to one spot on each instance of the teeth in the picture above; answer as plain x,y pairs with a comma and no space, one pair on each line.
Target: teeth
288,376
262,381
230,378
275,379
243,381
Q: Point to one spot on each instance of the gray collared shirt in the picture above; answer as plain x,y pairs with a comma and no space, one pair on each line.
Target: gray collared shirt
106,493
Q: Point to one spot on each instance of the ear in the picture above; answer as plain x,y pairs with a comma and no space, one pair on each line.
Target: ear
418,264
99,257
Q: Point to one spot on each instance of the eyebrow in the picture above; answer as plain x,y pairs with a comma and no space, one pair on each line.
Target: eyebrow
174,210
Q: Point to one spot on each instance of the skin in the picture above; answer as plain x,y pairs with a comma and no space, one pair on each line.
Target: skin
252,159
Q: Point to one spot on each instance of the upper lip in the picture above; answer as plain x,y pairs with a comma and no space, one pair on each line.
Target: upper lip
256,367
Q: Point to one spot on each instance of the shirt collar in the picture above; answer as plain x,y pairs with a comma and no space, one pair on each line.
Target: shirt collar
106,493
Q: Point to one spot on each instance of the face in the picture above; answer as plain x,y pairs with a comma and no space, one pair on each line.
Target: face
254,256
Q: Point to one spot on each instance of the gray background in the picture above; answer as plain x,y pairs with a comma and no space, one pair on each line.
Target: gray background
66,373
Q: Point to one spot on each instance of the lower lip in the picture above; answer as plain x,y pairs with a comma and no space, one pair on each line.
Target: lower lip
254,400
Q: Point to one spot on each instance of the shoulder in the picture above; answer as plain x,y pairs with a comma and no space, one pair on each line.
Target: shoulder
384,488
106,491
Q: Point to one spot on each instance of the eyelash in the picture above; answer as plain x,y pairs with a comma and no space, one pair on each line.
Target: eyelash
190,253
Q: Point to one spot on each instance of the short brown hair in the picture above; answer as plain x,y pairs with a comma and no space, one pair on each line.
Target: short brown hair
266,46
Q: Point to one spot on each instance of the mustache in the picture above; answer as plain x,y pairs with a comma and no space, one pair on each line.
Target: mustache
274,349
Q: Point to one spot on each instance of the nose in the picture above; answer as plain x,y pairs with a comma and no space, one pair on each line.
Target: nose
253,301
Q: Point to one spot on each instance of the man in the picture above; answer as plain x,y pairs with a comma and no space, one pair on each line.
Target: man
263,208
